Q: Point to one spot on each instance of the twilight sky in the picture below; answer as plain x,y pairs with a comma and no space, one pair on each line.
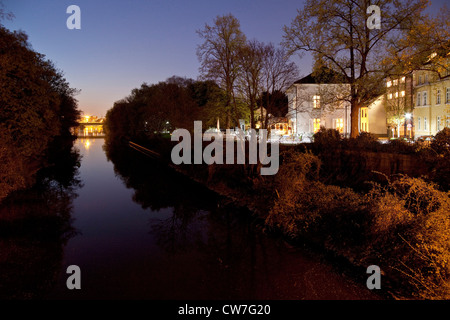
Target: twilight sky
122,43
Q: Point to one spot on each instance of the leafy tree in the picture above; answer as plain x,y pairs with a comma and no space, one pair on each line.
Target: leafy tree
37,108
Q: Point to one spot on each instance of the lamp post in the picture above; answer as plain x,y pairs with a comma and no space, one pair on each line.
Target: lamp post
407,119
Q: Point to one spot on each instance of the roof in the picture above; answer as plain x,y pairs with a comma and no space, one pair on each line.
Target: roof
323,76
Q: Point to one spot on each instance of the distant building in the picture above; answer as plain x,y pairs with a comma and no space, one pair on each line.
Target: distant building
90,126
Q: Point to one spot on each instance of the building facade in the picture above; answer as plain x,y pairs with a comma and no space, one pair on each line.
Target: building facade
432,103
315,103
399,106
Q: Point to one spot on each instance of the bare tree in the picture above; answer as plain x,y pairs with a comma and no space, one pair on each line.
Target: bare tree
251,59
278,74
219,58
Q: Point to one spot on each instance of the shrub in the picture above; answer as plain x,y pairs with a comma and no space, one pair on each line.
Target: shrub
410,236
441,142
327,138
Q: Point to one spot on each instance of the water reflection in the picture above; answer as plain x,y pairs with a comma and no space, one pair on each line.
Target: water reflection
208,249
35,225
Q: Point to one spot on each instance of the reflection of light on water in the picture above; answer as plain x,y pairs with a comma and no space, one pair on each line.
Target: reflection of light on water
87,144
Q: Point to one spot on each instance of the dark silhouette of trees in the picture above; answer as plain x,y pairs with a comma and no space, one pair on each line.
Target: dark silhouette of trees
37,111
152,110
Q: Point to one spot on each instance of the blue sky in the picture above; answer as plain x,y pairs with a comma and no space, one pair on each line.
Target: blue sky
122,44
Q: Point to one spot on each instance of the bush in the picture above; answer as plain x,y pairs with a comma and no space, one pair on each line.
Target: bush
441,142
304,207
410,236
326,138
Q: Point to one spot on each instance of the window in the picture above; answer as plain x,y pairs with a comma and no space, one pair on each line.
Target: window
316,125
316,102
448,122
447,95
364,120
402,79
438,124
424,98
418,123
390,96
419,102
339,124
389,84
402,93
426,78
396,94
424,123
395,82
438,96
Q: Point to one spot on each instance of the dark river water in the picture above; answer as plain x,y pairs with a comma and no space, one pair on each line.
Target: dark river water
141,231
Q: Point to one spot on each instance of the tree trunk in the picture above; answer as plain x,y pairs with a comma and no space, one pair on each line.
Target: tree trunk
354,120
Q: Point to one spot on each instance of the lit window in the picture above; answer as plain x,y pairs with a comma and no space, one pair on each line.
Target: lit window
402,80
395,82
390,96
316,102
396,94
339,124
402,93
438,96
316,125
389,84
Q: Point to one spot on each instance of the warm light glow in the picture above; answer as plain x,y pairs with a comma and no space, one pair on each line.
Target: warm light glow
408,115
340,124
316,102
87,144
316,125
389,84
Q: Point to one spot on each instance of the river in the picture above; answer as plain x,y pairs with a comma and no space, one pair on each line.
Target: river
141,231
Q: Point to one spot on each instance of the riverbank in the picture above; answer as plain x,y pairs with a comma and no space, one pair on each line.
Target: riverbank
401,225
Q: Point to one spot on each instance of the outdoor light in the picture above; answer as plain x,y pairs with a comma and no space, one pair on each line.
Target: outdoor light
408,115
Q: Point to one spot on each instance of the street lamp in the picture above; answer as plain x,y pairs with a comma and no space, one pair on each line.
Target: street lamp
407,118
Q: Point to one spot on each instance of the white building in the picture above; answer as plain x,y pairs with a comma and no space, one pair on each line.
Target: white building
321,102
